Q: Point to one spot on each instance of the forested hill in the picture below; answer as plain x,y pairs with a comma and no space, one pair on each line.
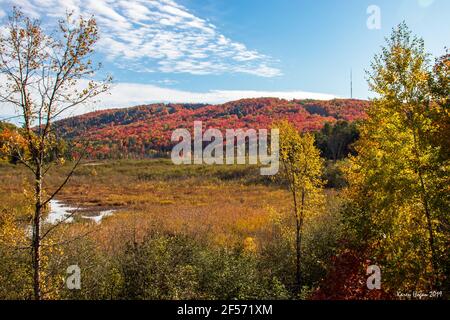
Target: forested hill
141,130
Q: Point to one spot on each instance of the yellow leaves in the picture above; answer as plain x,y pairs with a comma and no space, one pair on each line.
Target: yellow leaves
302,164
394,176
52,269
403,245
14,267
10,234
275,217
250,245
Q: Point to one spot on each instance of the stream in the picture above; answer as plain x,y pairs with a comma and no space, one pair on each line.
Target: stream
60,211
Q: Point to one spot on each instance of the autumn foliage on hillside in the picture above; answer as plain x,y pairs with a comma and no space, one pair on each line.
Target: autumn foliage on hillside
138,131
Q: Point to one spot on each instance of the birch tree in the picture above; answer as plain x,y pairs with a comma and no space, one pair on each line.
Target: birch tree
302,169
45,75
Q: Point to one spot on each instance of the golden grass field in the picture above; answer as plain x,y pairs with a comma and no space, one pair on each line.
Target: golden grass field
220,207
222,203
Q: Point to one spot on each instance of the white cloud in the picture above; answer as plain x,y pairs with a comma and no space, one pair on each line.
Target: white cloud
132,94
124,95
157,35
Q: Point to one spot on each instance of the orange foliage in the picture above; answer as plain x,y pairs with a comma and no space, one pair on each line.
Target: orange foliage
134,132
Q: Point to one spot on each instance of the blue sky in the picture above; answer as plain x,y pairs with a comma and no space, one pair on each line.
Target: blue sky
219,50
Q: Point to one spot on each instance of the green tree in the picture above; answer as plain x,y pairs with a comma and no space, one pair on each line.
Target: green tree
335,140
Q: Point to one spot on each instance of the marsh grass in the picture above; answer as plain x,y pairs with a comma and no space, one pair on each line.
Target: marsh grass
220,208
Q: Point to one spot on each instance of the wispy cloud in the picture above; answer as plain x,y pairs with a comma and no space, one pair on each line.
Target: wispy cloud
157,36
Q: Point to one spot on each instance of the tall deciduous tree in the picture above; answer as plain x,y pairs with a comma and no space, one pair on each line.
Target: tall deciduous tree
396,176
45,75
302,169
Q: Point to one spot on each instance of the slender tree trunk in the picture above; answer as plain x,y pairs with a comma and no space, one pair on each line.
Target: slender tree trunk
298,275
36,245
298,242
424,196
429,224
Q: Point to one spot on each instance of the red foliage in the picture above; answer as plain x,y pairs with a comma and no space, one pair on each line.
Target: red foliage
135,131
347,279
